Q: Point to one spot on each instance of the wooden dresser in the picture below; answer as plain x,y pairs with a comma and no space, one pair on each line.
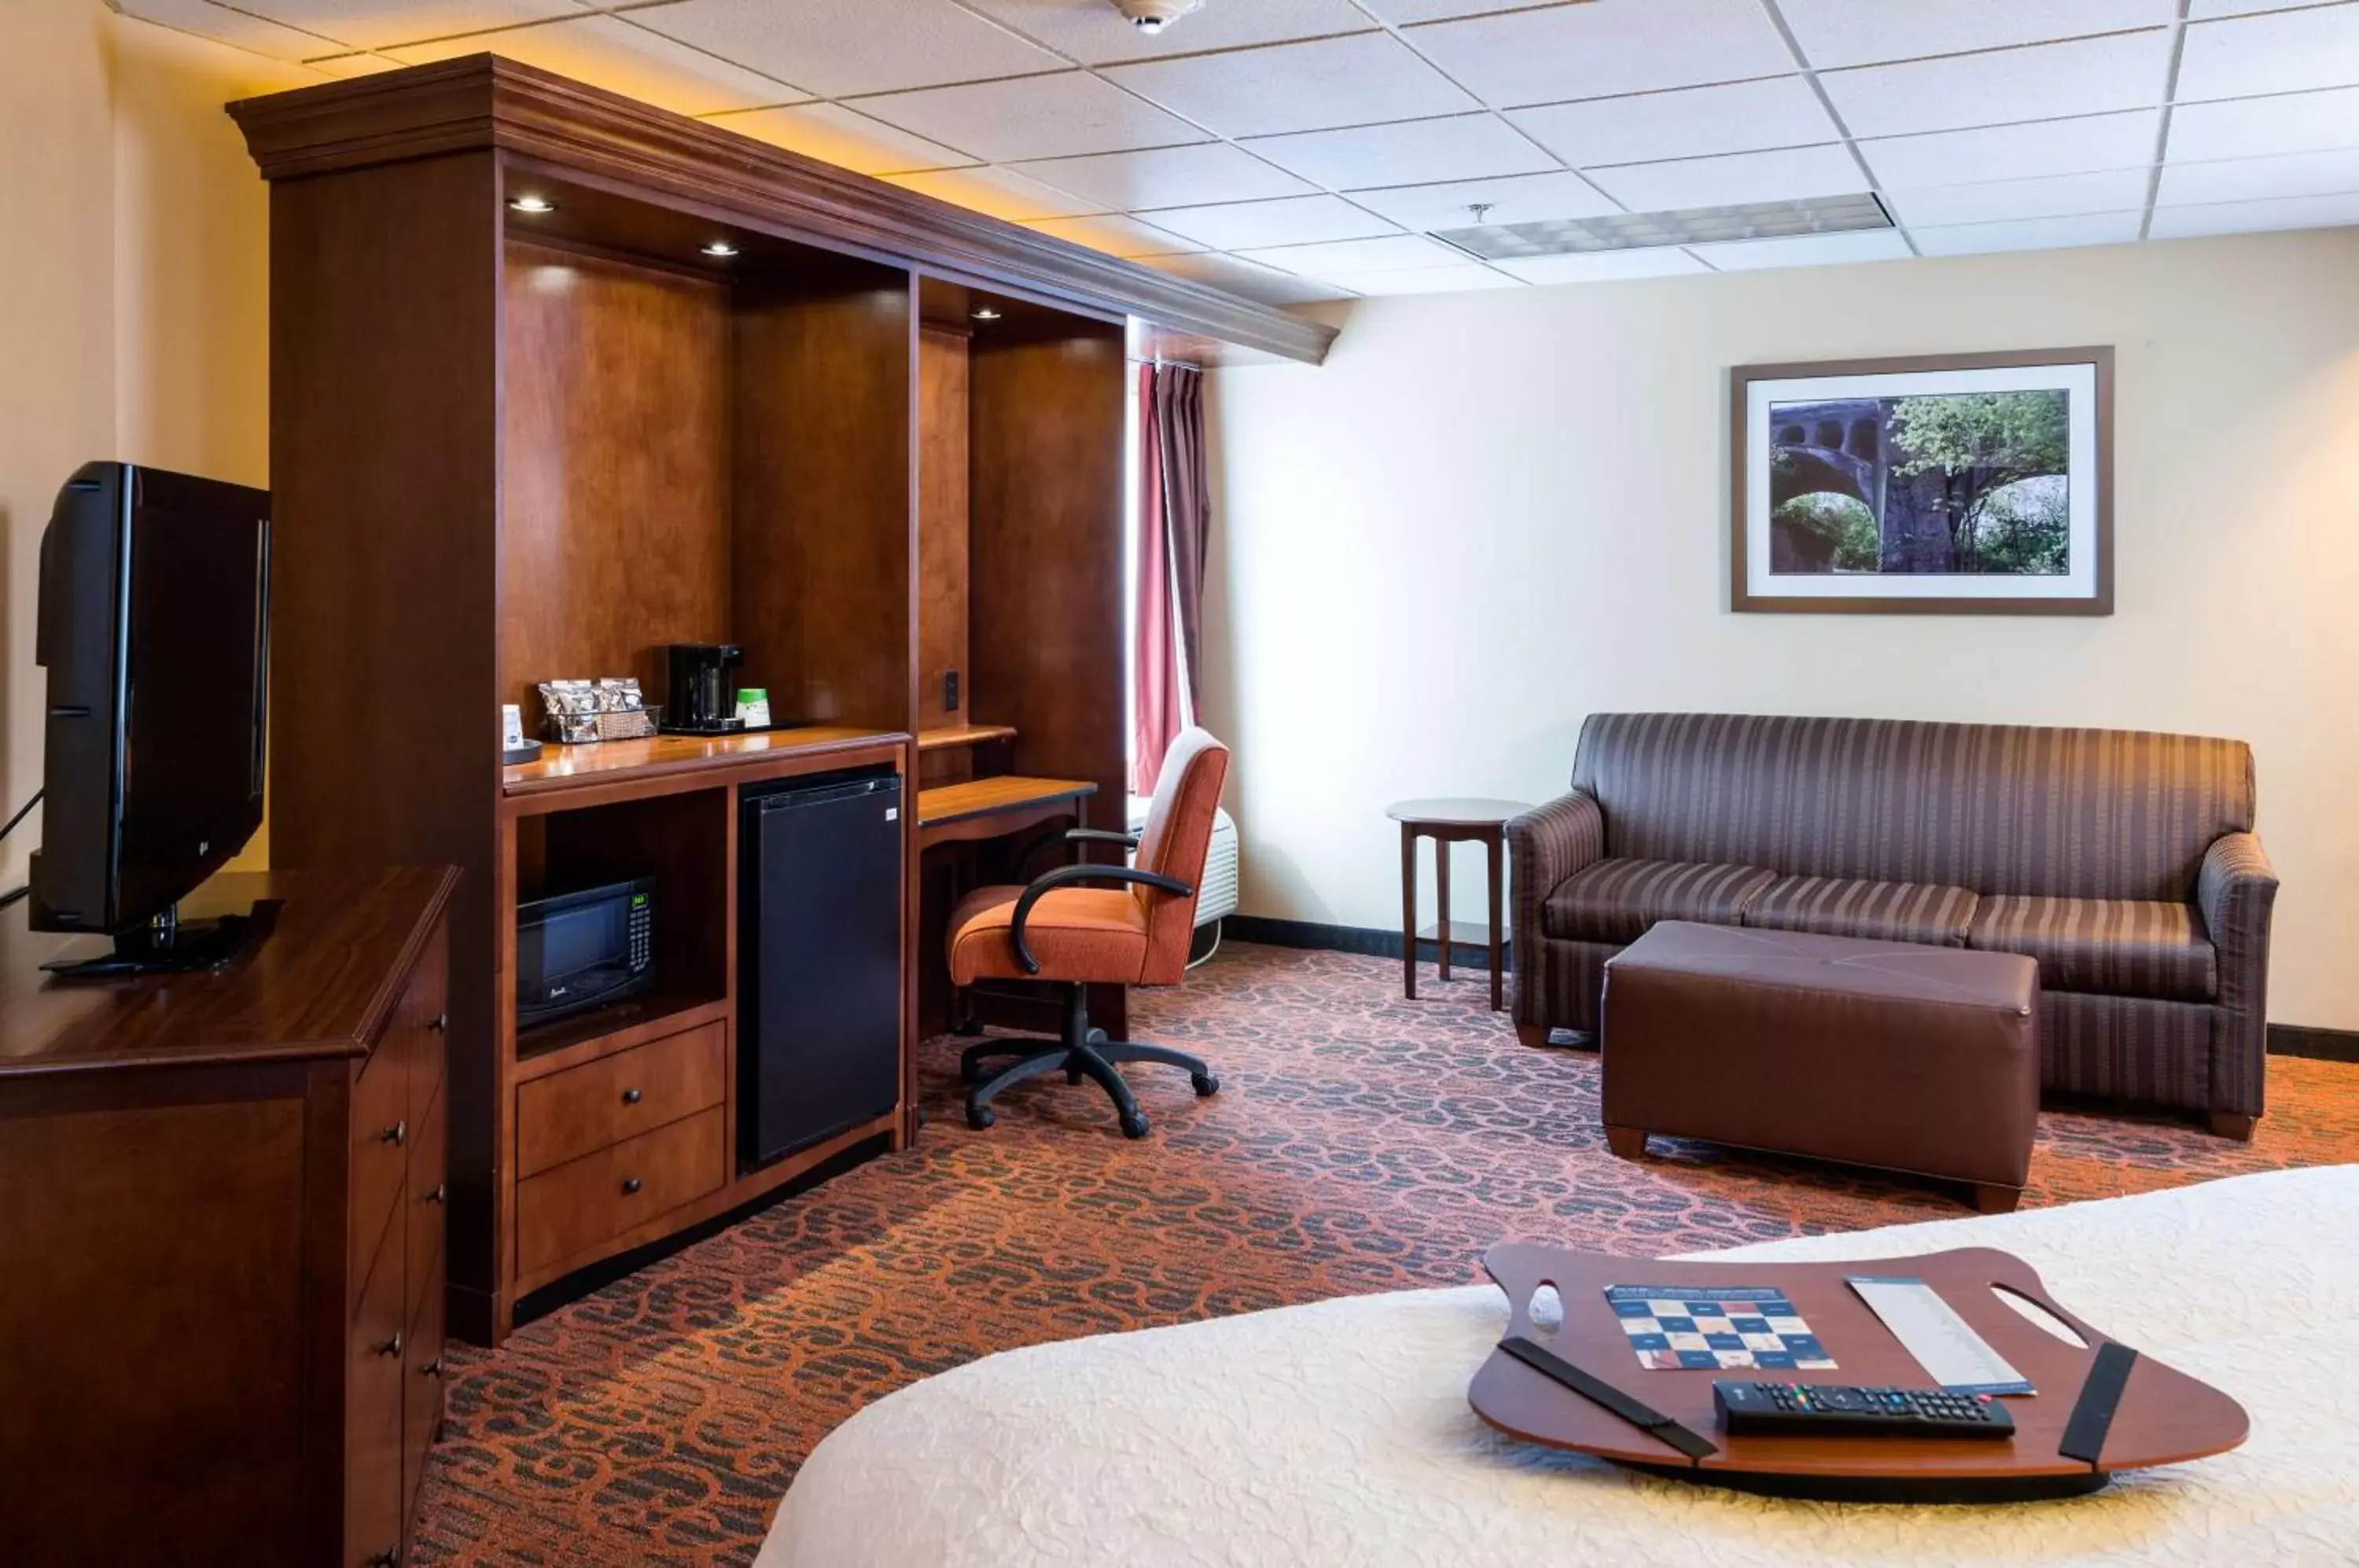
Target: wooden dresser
221,1204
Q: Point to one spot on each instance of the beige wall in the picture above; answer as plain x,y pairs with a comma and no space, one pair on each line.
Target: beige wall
1491,514
133,291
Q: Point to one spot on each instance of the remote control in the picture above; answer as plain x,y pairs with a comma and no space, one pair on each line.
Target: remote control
1829,1410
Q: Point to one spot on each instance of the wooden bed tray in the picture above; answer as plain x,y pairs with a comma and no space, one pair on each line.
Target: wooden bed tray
2163,1416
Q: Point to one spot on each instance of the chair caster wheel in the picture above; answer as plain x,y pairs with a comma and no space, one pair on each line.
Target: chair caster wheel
1134,1125
1205,1083
981,1116
1097,1036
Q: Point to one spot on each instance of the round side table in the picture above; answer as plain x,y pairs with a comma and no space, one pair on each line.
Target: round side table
1449,822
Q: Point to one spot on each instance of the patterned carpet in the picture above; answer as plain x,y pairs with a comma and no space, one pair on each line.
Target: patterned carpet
1360,1142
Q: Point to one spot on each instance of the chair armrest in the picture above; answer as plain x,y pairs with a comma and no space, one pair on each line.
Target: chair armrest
1064,877
1100,835
2235,892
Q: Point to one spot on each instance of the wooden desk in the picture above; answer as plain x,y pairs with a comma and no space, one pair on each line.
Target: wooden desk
991,808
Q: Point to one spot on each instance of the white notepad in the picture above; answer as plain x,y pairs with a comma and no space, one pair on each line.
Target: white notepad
1944,1344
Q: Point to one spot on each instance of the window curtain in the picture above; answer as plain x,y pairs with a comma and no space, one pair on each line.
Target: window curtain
1174,525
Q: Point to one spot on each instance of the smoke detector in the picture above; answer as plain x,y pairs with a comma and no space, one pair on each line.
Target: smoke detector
1152,17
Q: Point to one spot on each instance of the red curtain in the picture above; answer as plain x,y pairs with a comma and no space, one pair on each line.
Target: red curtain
1174,525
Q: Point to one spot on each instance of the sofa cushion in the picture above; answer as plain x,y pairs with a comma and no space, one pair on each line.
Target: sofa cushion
2115,946
1616,900
1873,911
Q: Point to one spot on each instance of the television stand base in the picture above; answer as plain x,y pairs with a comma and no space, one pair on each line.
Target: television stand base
165,946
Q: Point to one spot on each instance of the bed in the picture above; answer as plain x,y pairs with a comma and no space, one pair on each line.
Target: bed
1338,1432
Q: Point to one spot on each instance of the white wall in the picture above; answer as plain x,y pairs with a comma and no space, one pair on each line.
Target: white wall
1489,514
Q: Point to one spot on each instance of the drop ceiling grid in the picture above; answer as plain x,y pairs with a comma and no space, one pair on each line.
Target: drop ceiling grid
1463,58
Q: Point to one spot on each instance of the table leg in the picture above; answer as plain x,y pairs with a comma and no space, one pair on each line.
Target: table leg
1442,902
1408,913
1497,989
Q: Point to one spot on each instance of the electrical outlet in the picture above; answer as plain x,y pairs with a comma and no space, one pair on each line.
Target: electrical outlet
950,691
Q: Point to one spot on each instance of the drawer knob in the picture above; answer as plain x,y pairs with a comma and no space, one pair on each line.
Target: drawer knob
390,1348
431,1369
632,1097
630,1185
438,1022
442,1190
389,1558
397,1134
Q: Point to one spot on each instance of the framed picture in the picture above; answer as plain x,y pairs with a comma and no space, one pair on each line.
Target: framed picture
1974,484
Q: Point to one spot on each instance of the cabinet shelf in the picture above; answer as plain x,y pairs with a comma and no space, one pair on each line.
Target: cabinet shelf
546,1048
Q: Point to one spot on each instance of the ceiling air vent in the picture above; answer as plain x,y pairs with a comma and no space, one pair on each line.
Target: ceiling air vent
1687,226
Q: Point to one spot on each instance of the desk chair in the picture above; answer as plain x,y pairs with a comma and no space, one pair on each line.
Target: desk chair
1134,933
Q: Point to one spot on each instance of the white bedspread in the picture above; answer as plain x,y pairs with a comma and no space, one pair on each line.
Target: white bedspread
1338,1433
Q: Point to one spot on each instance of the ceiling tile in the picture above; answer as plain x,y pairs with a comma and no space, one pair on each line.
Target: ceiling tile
1167,177
1297,87
1412,152
1735,177
845,137
1296,220
2253,127
2015,152
236,28
2029,234
1518,199
1251,279
1805,250
2261,178
2284,51
2249,217
1604,267
1116,235
1402,12
1426,280
343,67
998,191
1397,253
2090,76
372,24
835,48
1858,32
2055,196
607,51
1095,34
1561,52
2204,10
1741,116
1037,116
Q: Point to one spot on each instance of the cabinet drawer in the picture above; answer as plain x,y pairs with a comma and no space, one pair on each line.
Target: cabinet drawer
586,1108
424,1200
575,1207
372,1407
380,1142
424,1016
421,1412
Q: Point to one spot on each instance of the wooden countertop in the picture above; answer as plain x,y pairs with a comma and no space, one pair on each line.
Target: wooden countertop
621,761
951,736
317,981
1001,792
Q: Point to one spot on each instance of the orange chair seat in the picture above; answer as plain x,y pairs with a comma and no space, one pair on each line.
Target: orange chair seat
1077,933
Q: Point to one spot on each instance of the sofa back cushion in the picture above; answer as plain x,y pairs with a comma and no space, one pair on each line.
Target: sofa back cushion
2063,813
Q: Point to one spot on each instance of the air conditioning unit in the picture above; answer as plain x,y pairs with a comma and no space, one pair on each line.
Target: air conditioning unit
1218,896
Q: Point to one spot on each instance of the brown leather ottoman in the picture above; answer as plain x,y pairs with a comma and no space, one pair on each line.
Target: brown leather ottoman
1893,1054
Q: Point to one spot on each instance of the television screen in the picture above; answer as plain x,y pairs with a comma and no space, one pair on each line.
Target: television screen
154,617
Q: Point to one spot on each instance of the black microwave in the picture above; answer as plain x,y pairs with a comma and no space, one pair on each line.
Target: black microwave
582,950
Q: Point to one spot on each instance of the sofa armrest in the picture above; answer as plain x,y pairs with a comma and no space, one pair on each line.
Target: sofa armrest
1545,845
2235,892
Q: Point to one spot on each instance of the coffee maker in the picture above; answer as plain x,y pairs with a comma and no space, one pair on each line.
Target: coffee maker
700,697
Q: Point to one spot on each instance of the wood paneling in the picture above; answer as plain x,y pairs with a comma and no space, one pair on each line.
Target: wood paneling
485,101
615,525
385,423
941,526
824,397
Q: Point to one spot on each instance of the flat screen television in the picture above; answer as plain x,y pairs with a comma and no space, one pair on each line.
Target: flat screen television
154,629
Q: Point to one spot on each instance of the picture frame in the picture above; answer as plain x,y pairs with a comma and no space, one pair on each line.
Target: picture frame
1964,483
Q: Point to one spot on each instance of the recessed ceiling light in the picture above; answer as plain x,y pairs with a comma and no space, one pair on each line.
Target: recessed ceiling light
1686,226
532,205
986,315
721,247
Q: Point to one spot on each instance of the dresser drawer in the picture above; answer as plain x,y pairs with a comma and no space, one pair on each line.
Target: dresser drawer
582,1109
421,1412
425,1200
596,1197
373,1395
380,1145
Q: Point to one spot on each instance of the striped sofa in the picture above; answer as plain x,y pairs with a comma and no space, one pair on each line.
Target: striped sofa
2123,862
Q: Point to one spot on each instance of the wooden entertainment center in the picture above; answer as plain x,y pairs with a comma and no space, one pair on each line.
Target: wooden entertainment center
526,422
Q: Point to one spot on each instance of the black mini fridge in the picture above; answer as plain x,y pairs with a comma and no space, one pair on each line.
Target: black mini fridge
818,956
